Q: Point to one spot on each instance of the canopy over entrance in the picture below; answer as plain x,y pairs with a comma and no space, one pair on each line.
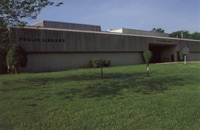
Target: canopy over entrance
163,53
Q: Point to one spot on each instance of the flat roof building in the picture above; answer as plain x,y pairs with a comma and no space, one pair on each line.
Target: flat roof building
138,32
64,25
57,46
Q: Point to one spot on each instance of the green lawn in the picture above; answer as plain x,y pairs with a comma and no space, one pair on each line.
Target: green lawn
125,99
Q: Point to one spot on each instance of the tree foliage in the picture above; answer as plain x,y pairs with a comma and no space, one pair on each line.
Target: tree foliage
4,36
159,30
16,57
96,62
195,35
13,12
181,55
3,52
178,34
186,34
147,56
3,24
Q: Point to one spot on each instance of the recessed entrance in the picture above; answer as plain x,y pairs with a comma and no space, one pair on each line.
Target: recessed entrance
163,53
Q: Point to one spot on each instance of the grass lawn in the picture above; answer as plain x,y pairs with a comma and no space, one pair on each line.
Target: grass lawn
125,99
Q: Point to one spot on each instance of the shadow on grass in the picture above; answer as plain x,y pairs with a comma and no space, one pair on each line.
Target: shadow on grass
144,85
112,85
19,85
92,91
34,83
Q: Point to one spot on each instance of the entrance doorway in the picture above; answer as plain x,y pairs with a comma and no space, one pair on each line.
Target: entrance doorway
163,53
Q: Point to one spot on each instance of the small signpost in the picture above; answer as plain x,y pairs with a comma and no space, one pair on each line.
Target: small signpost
102,64
185,53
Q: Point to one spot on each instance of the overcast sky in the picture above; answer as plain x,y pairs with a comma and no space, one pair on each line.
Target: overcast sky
170,15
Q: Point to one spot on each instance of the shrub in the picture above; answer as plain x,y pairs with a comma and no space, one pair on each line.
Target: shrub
147,56
3,52
106,63
180,55
16,57
96,62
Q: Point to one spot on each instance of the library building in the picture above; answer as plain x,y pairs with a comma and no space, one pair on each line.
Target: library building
57,46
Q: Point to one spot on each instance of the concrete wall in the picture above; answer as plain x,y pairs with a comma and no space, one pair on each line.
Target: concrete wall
39,24
193,56
45,40
61,49
193,45
169,52
55,40
139,32
116,30
42,62
194,48
63,25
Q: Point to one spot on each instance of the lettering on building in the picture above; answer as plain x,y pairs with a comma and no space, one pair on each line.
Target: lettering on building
25,39
162,40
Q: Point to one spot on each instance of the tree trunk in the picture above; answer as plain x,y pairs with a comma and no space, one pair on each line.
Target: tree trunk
148,70
101,72
8,69
15,70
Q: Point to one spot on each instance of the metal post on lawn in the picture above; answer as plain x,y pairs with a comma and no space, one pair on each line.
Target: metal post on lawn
101,66
185,58
185,53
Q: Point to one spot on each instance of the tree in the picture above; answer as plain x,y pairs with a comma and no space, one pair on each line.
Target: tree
2,23
99,63
185,34
147,57
4,33
13,12
180,34
195,35
3,52
16,57
159,30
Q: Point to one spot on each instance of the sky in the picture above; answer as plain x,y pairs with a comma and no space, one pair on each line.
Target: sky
170,15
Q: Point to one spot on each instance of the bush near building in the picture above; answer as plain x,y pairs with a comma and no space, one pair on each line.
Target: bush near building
97,63
180,55
16,57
